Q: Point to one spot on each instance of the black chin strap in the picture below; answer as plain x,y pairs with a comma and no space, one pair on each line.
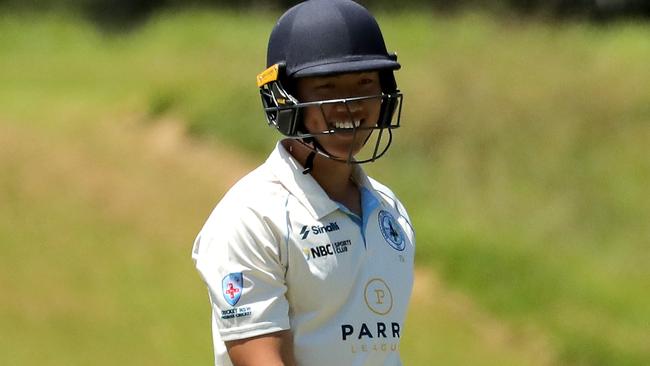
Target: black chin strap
309,164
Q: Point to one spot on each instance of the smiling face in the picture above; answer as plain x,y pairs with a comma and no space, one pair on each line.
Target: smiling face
352,120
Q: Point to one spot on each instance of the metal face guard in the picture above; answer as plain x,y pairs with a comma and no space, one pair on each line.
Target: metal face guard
285,114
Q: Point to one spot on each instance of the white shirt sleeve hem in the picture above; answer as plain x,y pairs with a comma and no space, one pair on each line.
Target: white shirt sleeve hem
252,330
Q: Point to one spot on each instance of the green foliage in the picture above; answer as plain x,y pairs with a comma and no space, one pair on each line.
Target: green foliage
523,160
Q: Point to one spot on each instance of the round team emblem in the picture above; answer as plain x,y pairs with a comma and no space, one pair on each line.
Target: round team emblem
391,230
378,297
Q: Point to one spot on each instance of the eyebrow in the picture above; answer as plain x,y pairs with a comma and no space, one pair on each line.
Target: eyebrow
325,84
329,82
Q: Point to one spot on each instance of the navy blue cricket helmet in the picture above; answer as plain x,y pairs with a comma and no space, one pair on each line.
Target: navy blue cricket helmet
322,38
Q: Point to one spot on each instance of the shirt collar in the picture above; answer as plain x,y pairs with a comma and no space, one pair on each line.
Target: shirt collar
305,188
302,186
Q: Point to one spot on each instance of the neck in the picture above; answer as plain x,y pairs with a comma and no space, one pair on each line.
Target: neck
333,176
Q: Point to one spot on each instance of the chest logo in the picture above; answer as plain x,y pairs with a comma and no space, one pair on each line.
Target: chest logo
317,230
336,248
378,297
231,287
391,230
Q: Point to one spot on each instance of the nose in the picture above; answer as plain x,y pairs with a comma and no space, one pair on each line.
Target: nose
348,109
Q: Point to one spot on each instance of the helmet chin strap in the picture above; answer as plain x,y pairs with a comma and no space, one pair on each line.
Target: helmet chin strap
309,164
315,148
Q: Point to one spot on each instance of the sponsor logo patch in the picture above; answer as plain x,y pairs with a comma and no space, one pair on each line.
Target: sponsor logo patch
378,297
317,230
325,250
232,286
304,232
370,331
391,230
369,337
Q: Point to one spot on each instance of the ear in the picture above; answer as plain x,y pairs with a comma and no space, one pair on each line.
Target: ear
387,81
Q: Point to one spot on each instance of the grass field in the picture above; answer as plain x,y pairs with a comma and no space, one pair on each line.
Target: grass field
523,160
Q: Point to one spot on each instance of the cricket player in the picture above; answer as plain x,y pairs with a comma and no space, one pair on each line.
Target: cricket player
307,260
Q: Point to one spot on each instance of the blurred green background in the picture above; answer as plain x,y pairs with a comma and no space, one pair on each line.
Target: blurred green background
523,159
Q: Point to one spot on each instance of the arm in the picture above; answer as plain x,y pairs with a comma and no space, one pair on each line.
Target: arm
238,250
274,349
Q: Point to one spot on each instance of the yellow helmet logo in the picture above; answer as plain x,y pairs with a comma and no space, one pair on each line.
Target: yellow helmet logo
268,75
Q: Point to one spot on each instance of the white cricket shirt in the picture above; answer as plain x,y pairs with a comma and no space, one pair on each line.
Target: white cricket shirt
277,253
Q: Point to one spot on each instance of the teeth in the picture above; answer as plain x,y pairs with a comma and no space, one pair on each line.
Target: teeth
343,125
348,125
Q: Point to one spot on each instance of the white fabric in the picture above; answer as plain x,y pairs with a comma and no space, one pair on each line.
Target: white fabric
309,265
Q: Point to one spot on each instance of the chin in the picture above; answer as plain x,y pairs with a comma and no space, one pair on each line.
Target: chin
343,153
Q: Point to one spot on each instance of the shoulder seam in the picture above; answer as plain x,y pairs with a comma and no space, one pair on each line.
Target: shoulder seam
285,259
396,207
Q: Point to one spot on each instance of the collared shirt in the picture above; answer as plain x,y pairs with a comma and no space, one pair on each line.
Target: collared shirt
277,253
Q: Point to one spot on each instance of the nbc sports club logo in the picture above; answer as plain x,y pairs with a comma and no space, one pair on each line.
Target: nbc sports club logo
391,230
231,287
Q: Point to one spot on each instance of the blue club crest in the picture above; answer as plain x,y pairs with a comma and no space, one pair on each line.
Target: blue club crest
391,230
231,287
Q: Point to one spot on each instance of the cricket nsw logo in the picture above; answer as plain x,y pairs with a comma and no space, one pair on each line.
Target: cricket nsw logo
232,286
391,230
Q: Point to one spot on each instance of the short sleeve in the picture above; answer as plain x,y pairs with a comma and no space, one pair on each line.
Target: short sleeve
238,256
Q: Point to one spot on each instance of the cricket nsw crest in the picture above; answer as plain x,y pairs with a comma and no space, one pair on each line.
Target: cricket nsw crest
391,230
232,286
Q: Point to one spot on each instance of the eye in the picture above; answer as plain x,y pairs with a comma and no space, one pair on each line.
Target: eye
366,81
325,86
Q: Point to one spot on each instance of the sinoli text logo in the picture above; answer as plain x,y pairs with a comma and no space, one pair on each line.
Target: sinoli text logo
317,230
